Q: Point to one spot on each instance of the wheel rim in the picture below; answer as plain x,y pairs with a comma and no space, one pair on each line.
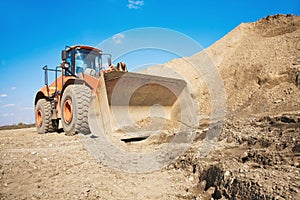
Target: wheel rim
68,112
39,118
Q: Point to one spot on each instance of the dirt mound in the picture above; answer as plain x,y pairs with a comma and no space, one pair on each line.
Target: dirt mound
257,156
259,64
260,73
276,25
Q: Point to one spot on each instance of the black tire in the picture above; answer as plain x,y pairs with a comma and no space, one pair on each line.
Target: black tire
74,109
43,114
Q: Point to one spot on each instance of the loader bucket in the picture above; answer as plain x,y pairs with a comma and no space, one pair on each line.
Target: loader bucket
124,98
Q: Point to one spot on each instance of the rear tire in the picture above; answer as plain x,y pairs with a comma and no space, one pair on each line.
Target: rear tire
74,107
43,115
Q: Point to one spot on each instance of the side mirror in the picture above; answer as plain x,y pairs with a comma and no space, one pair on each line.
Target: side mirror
63,55
109,61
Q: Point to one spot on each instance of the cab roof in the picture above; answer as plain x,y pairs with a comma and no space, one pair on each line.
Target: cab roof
83,47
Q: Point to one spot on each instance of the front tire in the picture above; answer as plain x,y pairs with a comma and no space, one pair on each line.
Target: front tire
74,107
43,117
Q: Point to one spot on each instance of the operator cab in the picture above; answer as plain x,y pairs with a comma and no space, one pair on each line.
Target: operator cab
85,60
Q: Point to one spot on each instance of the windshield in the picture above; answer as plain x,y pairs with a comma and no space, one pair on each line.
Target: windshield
87,61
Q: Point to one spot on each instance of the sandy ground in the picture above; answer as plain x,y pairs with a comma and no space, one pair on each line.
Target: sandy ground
255,158
55,166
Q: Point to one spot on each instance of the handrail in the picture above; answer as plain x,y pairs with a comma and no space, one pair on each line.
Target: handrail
46,69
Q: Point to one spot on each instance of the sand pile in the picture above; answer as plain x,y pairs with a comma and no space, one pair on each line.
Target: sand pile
259,64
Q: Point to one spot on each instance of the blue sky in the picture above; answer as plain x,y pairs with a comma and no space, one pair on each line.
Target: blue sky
33,33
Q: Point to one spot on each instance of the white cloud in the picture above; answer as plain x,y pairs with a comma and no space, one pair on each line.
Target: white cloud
132,4
3,95
9,105
118,38
13,88
27,108
8,114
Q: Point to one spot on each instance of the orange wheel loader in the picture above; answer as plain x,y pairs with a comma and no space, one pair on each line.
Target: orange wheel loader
87,85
